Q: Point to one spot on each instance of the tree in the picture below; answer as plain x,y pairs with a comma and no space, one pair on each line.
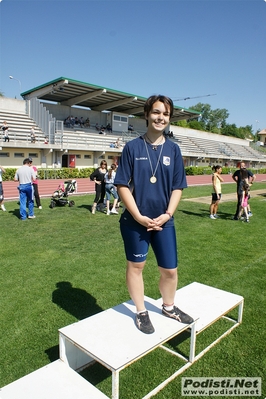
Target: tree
212,120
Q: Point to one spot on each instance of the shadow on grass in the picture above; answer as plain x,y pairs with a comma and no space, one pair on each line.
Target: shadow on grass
86,206
203,213
75,301
176,343
16,213
53,353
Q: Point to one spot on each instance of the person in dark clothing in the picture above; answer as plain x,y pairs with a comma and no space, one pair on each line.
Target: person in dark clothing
241,176
98,177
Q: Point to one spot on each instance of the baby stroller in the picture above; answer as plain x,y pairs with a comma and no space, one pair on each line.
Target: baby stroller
60,196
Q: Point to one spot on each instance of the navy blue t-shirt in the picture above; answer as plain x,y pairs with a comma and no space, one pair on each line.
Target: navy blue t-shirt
134,171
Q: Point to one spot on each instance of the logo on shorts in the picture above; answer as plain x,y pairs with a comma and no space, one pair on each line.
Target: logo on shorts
140,255
166,161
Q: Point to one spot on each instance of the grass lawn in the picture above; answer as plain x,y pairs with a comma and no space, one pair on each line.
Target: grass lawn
68,264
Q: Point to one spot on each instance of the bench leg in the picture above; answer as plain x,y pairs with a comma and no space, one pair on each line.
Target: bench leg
192,342
115,384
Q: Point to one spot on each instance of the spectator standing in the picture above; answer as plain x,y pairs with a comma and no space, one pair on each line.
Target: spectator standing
110,189
25,175
32,135
98,177
216,191
150,179
241,176
5,129
2,170
35,186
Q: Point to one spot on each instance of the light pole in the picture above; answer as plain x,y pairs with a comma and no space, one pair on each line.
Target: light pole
12,77
257,125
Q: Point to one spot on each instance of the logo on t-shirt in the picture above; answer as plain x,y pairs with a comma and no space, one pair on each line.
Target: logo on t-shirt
166,161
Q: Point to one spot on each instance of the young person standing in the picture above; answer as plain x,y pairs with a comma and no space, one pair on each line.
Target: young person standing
150,179
98,177
217,191
110,190
35,186
240,176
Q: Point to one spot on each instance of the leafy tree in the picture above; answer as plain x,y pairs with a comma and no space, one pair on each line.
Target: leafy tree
212,120
231,130
194,124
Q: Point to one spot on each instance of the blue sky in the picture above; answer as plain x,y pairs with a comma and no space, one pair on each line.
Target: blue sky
178,48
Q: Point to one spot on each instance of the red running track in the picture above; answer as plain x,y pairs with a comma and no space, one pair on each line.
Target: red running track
85,186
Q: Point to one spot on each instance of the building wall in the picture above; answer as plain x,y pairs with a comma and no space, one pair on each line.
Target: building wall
12,105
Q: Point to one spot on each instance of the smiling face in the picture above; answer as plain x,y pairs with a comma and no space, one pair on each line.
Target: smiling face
158,118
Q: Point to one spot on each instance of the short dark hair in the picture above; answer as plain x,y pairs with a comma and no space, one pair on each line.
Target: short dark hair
163,99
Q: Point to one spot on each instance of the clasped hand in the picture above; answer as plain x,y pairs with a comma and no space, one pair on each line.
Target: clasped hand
154,224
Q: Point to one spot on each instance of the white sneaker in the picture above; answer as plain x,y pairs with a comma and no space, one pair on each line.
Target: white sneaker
3,208
32,217
213,217
40,207
114,211
107,212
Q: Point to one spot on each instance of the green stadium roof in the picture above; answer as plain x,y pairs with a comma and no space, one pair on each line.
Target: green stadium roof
71,92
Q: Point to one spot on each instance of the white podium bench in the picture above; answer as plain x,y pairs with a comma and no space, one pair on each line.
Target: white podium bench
112,339
54,381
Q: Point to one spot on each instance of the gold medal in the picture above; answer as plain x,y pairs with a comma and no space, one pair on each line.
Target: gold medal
153,179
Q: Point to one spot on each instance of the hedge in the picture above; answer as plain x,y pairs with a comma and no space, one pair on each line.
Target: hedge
75,173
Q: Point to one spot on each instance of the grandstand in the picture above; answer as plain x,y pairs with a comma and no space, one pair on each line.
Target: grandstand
47,107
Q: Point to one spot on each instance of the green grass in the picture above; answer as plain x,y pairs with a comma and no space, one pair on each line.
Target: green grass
68,264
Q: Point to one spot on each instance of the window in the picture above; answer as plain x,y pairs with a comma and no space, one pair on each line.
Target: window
19,155
33,155
78,156
87,156
119,118
4,154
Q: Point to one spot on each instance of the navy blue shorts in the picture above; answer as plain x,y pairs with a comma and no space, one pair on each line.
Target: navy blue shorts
137,241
